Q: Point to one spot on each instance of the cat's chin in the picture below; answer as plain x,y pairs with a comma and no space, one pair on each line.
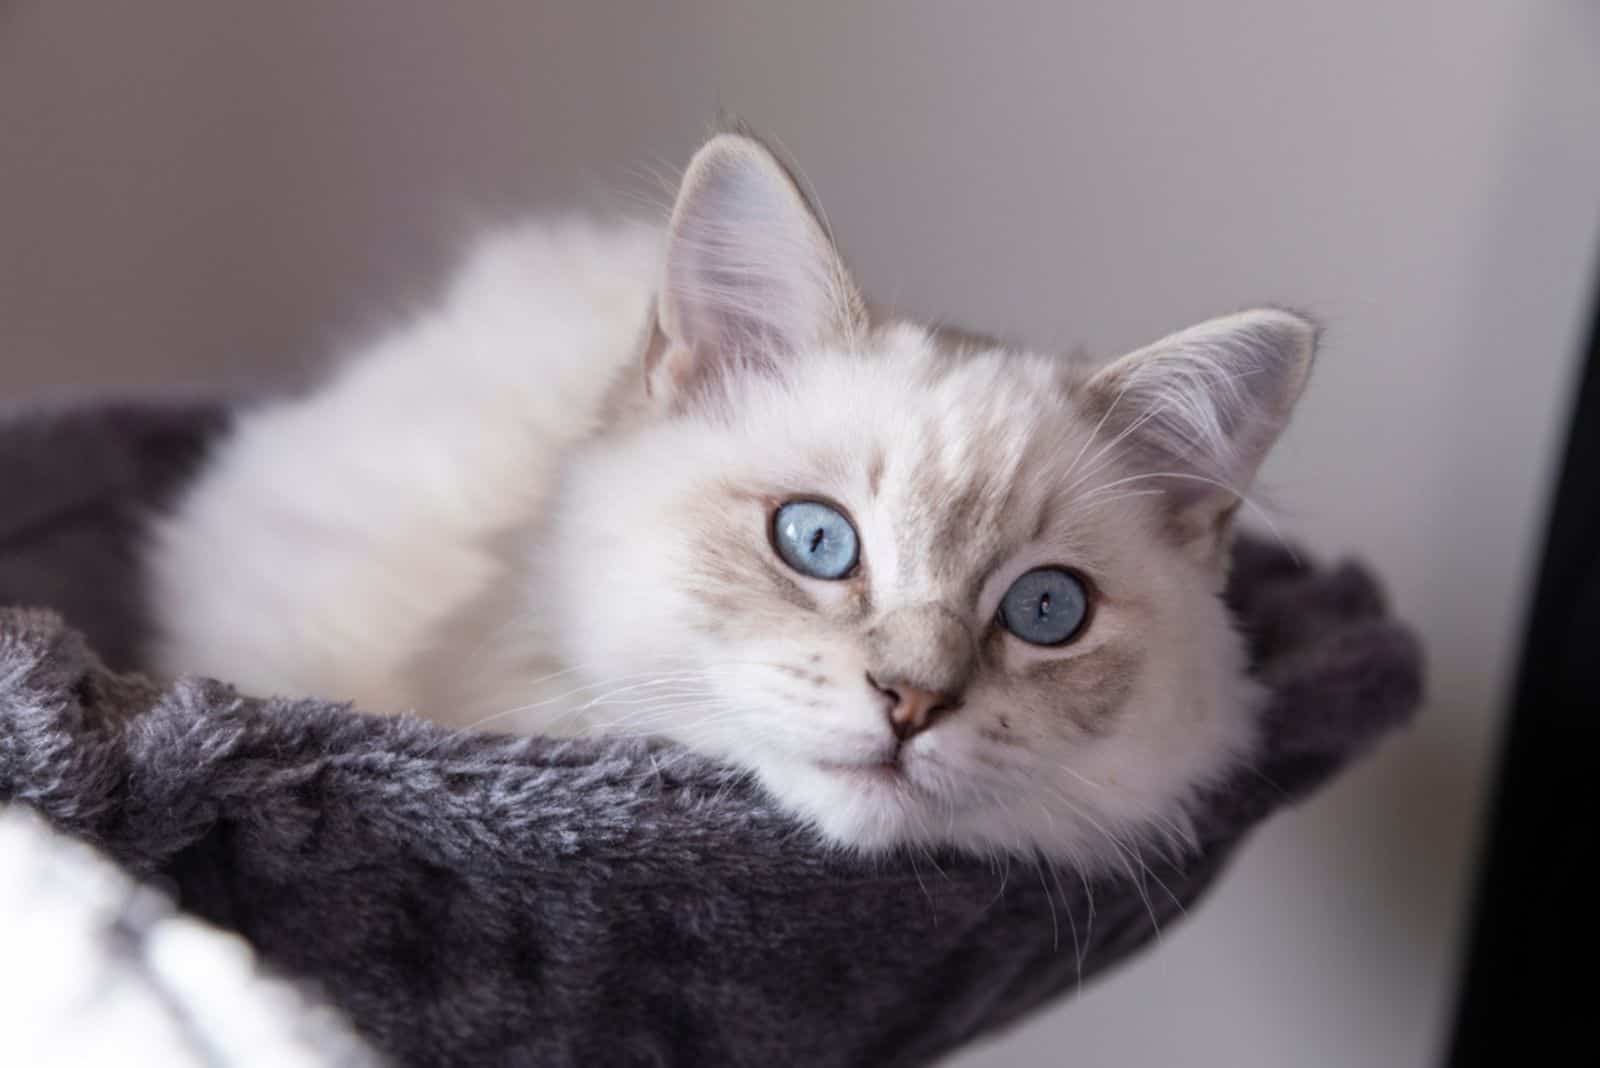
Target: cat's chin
861,806
872,807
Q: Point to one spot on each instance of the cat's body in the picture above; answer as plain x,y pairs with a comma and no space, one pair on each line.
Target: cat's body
581,494
358,518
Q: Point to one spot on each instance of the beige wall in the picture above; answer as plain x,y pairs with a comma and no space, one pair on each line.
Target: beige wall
205,192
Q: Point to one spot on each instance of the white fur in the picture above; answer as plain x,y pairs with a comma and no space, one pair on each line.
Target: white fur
332,533
463,523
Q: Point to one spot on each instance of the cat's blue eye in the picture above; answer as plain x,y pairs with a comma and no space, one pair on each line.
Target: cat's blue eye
815,539
1046,606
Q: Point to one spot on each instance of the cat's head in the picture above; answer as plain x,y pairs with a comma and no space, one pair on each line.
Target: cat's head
931,591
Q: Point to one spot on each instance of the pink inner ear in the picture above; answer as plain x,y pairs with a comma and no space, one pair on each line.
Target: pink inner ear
750,275
727,299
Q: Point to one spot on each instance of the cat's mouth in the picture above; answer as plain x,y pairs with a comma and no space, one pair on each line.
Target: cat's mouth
877,769
890,772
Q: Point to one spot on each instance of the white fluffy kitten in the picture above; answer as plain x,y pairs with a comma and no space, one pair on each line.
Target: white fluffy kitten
930,591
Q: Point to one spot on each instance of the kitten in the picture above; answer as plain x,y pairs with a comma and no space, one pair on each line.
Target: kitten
930,591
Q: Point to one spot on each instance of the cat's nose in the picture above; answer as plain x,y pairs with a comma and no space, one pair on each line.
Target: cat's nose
912,709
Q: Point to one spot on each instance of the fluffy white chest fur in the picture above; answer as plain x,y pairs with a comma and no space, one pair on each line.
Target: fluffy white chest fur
680,480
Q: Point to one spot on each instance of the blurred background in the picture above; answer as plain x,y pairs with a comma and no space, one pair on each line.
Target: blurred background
218,195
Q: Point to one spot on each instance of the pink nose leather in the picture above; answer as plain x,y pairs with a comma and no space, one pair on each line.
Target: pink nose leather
912,709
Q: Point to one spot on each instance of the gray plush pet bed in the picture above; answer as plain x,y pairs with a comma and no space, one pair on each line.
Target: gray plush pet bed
480,900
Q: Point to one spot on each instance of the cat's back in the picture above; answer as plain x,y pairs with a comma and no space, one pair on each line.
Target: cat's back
330,533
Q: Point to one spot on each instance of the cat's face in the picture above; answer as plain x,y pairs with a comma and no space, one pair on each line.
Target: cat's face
929,597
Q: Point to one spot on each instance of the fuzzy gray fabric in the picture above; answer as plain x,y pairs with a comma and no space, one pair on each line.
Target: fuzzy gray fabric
479,900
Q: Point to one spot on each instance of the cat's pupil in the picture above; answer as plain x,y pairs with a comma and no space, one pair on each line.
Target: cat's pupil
816,539
1044,606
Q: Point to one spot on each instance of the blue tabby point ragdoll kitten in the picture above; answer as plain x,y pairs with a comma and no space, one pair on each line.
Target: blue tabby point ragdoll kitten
685,481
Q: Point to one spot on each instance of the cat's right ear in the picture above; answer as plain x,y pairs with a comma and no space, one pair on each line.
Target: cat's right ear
751,277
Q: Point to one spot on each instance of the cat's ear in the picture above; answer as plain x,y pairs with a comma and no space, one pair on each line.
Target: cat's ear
751,276
1200,409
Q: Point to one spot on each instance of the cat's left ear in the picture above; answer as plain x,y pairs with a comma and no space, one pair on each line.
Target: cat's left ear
751,276
1195,414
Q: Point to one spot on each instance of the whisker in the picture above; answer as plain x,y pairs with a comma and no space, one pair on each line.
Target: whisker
1072,925
1055,945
